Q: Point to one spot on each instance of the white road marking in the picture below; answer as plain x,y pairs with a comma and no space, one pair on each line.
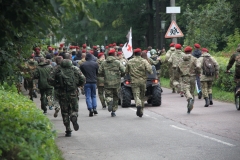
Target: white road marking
154,118
178,127
146,115
133,109
213,139
204,136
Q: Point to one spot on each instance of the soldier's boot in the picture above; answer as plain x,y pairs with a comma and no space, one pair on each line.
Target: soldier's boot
95,111
68,133
34,94
206,102
173,90
104,107
200,95
181,94
73,119
110,106
138,113
90,112
190,105
113,114
210,99
56,112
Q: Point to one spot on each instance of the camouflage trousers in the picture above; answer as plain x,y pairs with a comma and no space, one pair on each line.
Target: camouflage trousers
188,86
206,88
170,71
176,80
54,100
138,90
44,94
111,94
101,95
69,107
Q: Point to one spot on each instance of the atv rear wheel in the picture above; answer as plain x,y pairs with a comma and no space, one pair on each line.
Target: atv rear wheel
125,96
156,96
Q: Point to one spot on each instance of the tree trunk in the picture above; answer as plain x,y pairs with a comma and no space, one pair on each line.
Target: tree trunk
150,29
158,24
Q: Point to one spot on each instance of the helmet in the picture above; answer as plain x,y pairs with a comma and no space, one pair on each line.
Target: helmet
153,51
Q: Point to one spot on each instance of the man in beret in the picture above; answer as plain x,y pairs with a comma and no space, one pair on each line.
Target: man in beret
187,70
137,68
207,81
95,51
197,53
170,70
120,58
155,57
100,81
174,60
112,70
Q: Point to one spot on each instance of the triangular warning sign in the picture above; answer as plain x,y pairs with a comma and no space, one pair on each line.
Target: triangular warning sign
173,31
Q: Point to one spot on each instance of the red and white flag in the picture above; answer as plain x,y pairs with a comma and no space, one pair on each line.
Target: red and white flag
127,48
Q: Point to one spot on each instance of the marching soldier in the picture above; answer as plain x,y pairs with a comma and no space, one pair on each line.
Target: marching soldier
170,70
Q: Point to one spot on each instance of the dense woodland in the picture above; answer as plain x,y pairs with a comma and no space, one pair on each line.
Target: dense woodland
28,23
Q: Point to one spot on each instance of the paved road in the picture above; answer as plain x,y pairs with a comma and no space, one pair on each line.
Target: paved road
165,132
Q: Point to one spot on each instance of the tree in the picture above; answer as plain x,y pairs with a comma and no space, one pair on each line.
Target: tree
208,24
24,24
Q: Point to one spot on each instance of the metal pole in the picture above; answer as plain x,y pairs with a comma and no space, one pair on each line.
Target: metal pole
173,18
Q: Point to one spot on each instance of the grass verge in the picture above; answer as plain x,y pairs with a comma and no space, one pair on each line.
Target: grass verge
218,94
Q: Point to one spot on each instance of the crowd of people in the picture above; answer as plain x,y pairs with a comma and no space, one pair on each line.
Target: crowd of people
62,74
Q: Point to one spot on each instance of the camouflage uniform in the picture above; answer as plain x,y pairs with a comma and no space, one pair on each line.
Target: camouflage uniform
42,73
123,61
170,70
68,100
174,60
235,58
187,70
206,81
100,86
137,68
112,70
154,57
30,67
81,61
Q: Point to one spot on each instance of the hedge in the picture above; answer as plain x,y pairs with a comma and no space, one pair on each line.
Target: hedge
25,133
225,81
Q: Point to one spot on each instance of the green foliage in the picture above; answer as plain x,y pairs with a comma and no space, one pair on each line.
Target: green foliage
27,23
207,25
25,132
9,88
233,41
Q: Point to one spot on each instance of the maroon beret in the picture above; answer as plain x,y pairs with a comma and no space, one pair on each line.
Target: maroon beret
84,45
83,51
188,49
204,49
137,50
112,51
172,44
197,45
100,54
178,46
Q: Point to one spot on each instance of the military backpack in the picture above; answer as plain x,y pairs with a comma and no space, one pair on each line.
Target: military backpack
67,79
208,66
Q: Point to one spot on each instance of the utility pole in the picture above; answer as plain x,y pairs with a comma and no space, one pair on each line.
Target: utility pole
173,18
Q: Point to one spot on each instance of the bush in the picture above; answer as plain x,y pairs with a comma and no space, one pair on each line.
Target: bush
225,81
25,132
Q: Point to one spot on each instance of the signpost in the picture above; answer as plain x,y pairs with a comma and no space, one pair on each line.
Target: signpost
173,10
173,31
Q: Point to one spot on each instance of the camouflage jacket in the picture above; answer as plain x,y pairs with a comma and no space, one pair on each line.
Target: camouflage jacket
152,62
42,73
200,61
155,62
123,61
189,66
112,70
170,52
137,68
100,79
81,61
29,68
52,79
235,58
176,58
